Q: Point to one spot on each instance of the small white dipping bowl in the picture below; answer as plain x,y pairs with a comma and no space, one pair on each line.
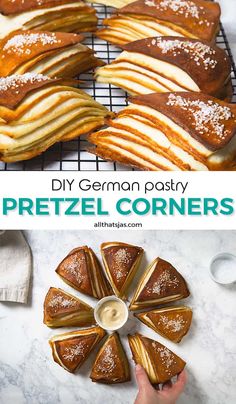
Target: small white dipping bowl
223,268
106,300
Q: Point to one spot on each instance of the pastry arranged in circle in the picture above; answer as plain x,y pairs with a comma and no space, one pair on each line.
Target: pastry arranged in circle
111,364
161,283
82,270
172,323
171,132
55,54
61,309
70,350
121,262
147,18
46,15
36,112
164,64
160,363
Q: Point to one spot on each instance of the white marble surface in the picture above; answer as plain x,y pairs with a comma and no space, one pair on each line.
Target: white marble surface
27,372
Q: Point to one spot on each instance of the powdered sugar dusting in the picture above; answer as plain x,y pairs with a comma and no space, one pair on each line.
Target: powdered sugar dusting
196,51
107,364
207,116
16,81
61,301
166,279
167,358
173,325
23,44
73,352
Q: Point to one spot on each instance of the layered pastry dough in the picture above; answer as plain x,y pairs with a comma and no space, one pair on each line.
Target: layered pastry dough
171,131
110,3
82,270
46,15
70,350
121,262
111,364
147,18
160,363
172,323
58,54
161,283
61,309
36,112
164,64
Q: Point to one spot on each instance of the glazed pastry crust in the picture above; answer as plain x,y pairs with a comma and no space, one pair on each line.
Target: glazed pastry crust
111,365
36,112
184,117
82,270
160,363
121,262
70,350
171,131
57,54
61,309
72,16
172,323
145,18
161,283
8,7
170,64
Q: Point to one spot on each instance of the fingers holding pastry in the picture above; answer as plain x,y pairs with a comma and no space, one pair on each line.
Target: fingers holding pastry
142,378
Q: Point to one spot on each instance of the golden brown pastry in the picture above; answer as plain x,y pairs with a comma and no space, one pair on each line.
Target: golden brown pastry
70,350
160,363
164,64
172,132
121,262
82,270
61,309
36,112
111,364
147,18
58,54
110,3
46,15
172,323
161,283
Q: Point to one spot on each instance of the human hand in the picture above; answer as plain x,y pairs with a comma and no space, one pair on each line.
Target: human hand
150,395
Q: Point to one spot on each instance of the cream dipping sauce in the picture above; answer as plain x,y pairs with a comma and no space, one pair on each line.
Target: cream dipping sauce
111,314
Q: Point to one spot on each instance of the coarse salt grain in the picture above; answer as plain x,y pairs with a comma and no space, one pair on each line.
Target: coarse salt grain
173,325
206,116
38,2
71,353
16,81
20,44
197,51
122,258
167,358
59,301
186,8
75,267
165,280
108,362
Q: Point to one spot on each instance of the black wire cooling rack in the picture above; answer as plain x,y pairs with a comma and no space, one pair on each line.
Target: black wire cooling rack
73,155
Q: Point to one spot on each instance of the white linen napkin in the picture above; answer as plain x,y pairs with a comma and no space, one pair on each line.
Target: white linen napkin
15,267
